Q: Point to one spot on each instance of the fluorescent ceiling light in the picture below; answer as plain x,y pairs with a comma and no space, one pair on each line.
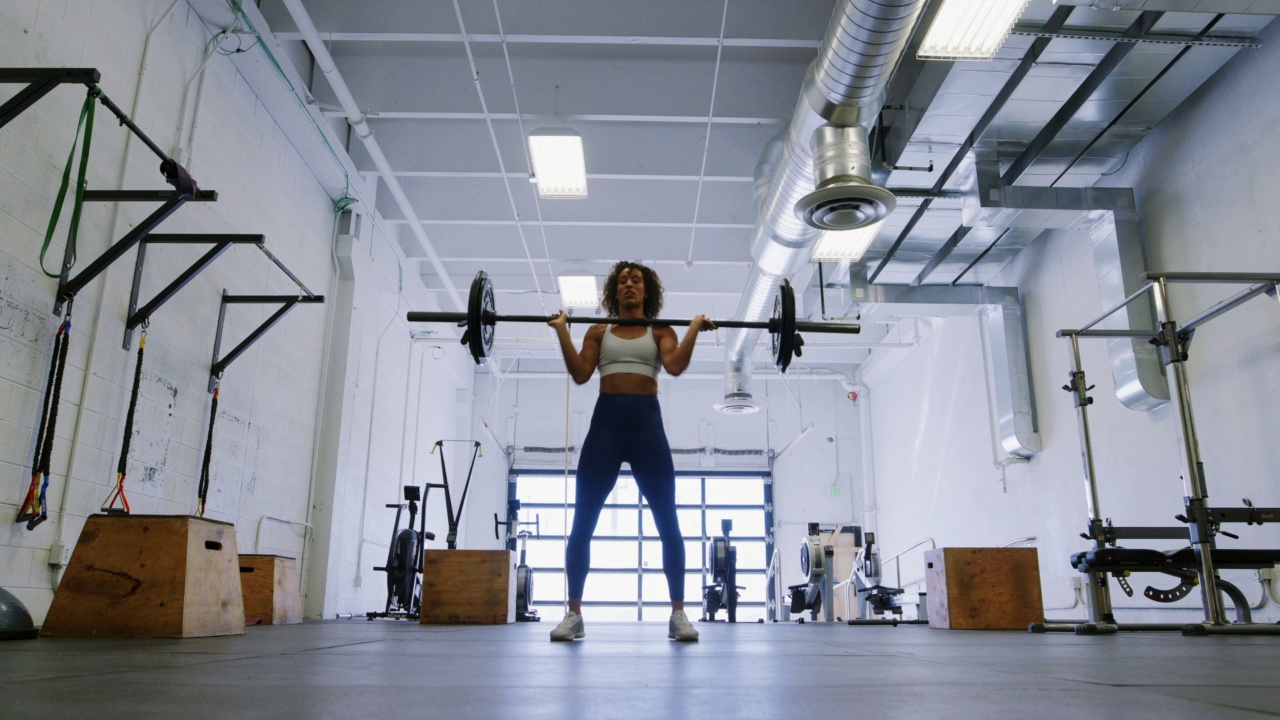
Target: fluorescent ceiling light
559,166
970,29
845,245
580,291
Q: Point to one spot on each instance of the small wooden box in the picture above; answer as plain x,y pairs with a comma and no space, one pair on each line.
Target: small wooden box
469,587
270,585
150,576
983,588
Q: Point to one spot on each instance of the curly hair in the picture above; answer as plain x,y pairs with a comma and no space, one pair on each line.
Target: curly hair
652,289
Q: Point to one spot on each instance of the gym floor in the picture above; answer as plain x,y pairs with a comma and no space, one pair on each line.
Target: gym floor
386,669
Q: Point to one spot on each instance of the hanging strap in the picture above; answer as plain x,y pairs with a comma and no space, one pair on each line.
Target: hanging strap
202,493
121,468
33,510
86,122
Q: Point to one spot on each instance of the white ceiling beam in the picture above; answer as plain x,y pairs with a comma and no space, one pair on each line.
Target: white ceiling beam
726,263
513,117
582,223
590,176
556,39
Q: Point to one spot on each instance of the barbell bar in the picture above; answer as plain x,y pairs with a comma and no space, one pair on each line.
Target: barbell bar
784,331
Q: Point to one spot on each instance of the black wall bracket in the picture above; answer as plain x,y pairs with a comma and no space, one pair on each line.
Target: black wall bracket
40,82
286,303
138,316
170,201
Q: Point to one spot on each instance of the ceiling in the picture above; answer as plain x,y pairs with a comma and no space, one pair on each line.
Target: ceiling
675,101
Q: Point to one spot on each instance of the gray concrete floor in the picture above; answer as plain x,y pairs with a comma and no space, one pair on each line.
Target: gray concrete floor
388,669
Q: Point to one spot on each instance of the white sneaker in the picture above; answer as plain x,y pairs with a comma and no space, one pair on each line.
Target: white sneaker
679,628
570,628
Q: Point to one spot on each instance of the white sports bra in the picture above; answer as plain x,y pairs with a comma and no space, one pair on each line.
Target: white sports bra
621,355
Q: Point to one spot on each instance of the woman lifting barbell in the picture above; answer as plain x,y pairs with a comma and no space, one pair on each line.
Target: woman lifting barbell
626,426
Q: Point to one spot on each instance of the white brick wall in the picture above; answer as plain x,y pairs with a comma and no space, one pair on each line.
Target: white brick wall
262,461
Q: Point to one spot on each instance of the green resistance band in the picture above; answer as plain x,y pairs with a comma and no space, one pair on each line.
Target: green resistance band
86,122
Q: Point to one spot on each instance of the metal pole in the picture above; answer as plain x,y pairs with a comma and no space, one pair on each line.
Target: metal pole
1192,467
1100,610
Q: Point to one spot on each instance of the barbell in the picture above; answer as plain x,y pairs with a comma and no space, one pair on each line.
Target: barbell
482,316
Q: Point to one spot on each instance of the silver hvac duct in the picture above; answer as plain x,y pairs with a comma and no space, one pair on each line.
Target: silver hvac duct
1111,218
842,94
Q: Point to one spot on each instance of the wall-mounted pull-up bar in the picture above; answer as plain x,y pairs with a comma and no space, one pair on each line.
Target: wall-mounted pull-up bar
287,303
40,82
220,243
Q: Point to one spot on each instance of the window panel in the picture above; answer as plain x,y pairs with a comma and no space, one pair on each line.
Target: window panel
652,554
688,490
619,521
610,586
690,523
545,553
745,522
625,491
751,555
613,554
735,491
543,489
621,554
548,586
551,521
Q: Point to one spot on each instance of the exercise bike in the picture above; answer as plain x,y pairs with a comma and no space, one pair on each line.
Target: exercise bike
404,559
722,593
524,574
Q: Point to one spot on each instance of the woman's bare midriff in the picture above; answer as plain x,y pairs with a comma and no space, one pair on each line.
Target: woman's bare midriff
628,383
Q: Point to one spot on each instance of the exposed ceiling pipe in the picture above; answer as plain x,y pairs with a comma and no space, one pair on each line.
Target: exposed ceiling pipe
356,117
842,94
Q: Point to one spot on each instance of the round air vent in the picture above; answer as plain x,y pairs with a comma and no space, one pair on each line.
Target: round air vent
737,404
845,206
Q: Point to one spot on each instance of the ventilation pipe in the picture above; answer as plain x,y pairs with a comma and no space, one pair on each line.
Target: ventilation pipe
841,97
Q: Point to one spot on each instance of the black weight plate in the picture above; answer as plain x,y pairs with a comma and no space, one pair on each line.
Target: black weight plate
783,326
479,305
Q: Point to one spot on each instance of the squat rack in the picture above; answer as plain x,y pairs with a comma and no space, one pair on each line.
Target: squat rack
1202,521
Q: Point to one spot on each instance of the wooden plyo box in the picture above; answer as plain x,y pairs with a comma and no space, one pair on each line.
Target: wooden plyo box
469,587
270,586
150,576
983,588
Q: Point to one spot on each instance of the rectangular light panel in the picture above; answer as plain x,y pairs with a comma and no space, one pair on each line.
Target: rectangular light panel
559,166
848,245
970,29
579,291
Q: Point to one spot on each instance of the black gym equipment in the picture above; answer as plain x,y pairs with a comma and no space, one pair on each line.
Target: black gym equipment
722,593
818,591
35,508
524,573
122,466
1194,566
451,540
404,558
875,599
481,317
15,621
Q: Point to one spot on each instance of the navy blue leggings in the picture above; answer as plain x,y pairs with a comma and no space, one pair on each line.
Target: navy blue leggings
625,428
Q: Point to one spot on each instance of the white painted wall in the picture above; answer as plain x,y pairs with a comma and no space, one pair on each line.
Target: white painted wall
271,397
1203,182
